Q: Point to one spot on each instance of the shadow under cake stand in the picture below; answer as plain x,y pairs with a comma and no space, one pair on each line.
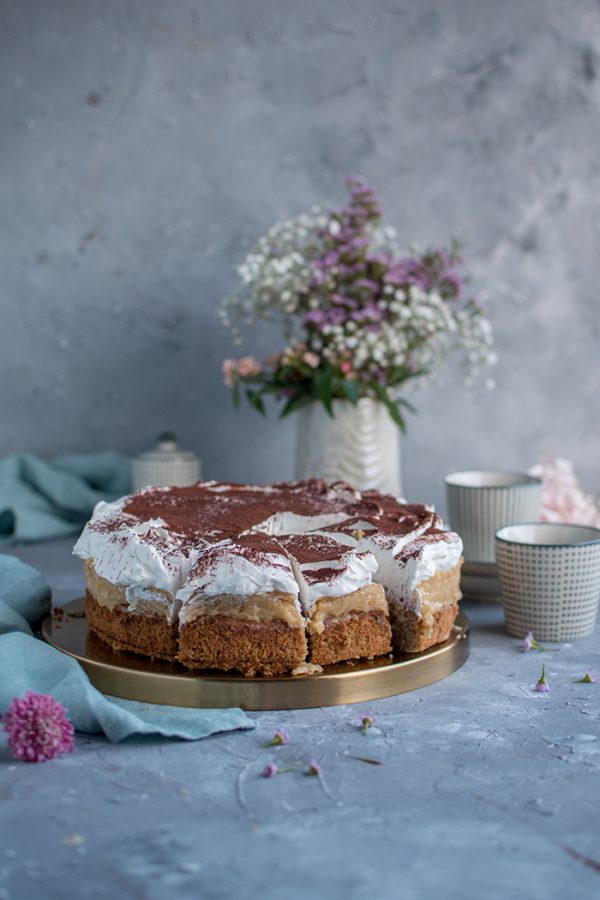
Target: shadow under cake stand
133,677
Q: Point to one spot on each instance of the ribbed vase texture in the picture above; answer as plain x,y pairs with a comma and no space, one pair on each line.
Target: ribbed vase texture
477,512
360,445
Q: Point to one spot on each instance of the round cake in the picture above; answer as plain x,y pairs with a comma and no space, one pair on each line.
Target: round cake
268,579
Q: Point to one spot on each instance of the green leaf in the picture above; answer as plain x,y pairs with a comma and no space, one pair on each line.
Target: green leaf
393,410
351,390
296,402
255,400
408,405
323,382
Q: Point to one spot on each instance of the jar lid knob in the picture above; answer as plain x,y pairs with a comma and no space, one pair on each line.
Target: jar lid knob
166,442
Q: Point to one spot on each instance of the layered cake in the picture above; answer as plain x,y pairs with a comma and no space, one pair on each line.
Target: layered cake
269,579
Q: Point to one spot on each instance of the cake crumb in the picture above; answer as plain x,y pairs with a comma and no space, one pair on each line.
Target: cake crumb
307,668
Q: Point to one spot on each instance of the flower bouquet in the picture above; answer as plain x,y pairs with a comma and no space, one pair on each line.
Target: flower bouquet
359,317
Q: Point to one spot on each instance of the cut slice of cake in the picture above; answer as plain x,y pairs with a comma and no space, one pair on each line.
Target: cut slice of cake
347,612
133,570
421,577
240,609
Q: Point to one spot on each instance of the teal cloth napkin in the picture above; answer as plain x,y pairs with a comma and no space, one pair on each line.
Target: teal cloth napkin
45,499
29,664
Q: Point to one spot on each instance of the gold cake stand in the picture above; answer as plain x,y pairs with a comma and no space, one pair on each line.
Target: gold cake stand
155,681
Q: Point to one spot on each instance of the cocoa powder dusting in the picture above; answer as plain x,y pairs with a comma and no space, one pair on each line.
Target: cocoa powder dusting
209,512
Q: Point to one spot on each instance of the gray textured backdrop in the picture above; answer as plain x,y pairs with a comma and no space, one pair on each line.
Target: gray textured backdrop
144,144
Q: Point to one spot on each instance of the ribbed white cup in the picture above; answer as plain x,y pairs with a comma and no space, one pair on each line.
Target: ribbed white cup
550,579
480,502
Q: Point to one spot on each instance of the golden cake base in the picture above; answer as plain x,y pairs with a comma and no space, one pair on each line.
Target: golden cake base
155,681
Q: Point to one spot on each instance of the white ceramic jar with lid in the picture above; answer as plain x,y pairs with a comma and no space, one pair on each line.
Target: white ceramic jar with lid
166,465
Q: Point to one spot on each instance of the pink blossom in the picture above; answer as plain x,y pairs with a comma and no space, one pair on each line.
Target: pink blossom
346,366
314,768
541,685
311,359
229,371
280,737
367,720
528,641
590,677
38,728
562,497
247,365
271,770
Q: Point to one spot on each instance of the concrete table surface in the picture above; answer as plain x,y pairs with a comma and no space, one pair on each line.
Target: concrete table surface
486,790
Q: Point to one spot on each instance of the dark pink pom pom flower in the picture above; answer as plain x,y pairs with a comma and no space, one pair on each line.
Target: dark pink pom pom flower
38,728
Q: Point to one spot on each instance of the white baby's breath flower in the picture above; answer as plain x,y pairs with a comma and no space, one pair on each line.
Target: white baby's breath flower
415,326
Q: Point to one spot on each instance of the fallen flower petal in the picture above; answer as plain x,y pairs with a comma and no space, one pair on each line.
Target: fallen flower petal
271,769
314,768
541,684
530,643
280,737
367,721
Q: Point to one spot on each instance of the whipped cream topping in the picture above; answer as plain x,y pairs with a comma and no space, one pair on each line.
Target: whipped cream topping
238,569
325,567
308,539
145,558
390,543
419,560
282,523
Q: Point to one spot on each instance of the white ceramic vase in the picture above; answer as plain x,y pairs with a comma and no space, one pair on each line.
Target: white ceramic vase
360,445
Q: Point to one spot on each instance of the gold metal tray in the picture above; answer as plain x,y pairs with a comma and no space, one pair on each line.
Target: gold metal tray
155,681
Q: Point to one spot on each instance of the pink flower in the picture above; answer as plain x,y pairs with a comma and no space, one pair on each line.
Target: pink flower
541,685
367,721
346,366
230,369
271,770
314,768
562,498
38,728
247,365
590,677
280,737
530,643
311,359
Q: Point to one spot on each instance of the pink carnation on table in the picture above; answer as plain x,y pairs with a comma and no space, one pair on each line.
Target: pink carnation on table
247,365
562,497
38,728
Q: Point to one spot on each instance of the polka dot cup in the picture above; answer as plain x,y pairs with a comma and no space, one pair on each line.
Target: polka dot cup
550,579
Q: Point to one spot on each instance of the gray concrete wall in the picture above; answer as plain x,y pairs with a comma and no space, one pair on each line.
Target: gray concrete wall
145,144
